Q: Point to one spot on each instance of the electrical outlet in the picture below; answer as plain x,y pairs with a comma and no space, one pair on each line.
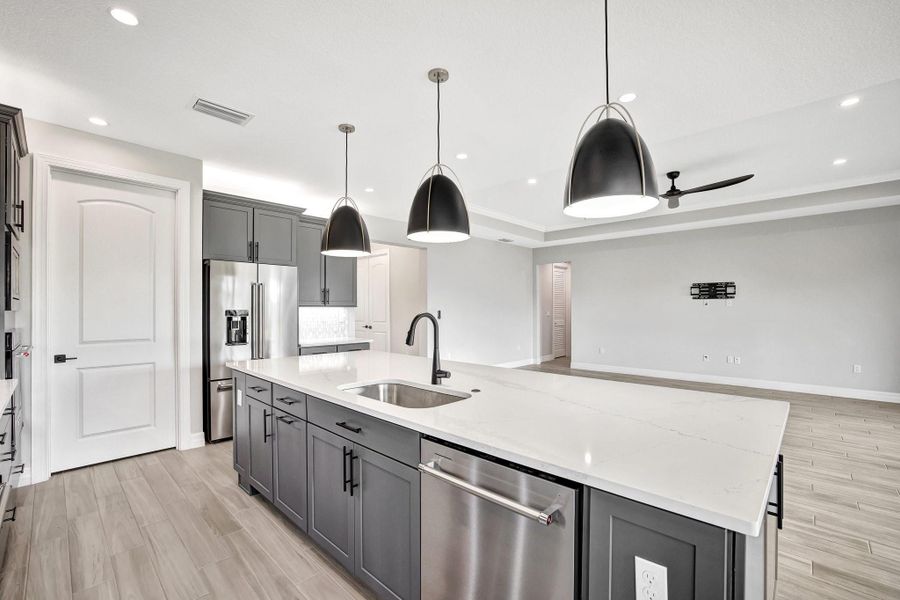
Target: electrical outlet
857,369
737,360
706,358
729,360
650,580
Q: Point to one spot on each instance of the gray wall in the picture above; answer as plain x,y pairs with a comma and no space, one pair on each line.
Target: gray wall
484,290
815,296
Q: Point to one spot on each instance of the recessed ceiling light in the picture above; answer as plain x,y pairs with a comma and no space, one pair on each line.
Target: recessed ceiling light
370,189
839,161
123,16
462,156
98,121
849,101
532,181
627,97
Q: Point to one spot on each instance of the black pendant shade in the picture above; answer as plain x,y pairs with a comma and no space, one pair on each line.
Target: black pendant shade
346,233
438,212
608,177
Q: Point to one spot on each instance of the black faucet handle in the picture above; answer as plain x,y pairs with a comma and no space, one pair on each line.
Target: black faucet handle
441,374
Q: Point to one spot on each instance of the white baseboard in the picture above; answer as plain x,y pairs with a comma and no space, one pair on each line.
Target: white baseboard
196,440
516,363
784,386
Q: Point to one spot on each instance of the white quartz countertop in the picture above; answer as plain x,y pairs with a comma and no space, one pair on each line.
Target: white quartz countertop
706,456
333,341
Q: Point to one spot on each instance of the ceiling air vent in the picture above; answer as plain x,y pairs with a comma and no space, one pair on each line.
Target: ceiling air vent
232,115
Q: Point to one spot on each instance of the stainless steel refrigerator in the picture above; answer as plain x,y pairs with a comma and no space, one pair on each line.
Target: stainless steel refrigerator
251,312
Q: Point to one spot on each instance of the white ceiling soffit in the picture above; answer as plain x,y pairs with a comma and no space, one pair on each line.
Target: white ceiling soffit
723,89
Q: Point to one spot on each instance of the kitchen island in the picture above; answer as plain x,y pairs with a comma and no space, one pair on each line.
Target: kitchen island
692,457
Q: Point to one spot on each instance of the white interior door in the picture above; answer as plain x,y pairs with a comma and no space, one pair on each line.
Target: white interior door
112,311
560,310
362,296
379,302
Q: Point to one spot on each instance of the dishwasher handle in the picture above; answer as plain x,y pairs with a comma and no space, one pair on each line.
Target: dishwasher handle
544,517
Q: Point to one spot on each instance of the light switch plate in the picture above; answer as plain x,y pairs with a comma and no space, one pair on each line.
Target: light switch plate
650,580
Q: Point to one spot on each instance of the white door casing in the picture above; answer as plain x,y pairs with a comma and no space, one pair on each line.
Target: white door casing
128,314
373,306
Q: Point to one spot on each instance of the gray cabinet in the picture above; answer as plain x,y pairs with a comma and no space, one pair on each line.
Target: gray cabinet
289,492
330,501
698,556
227,231
260,468
387,525
323,280
245,230
241,434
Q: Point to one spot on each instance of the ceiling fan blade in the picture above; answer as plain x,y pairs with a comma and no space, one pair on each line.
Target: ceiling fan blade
718,184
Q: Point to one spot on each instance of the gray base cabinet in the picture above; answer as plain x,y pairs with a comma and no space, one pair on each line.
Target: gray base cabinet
289,493
260,471
698,556
330,502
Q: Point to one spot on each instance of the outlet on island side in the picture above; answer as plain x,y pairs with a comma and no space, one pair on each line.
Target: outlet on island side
650,580
856,369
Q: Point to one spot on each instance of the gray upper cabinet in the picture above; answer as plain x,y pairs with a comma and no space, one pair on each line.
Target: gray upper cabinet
245,230
387,525
323,280
290,467
330,503
273,237
260,469
697,556
227,231
310,264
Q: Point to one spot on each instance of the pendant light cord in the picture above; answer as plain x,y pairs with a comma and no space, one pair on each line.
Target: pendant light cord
606,43
438,120
346,161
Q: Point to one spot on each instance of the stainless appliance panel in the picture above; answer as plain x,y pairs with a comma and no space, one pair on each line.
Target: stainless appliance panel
229,289
483,530
221,393
278,311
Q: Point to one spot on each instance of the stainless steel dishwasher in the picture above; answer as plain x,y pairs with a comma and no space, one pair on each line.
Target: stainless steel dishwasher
491,530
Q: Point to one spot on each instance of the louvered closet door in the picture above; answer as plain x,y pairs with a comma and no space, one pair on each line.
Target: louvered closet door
560,310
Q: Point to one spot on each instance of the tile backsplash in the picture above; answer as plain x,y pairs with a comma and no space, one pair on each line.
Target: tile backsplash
324,323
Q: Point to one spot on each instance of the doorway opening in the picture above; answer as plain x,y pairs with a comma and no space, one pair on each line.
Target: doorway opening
391,288
555,312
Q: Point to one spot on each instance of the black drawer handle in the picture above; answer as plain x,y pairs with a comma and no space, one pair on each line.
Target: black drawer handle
349,427
11,455
286,420
779,491
257,388
2,438
18,469
12,517
287,400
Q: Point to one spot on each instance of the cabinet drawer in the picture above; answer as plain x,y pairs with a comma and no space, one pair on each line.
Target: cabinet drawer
291,402
353,347
259,389
307,350
399,443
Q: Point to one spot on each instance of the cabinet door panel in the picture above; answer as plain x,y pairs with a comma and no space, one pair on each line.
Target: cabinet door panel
241,435
290,467
273,233
260,471
387,525
330,507
227,231
340,281
310,264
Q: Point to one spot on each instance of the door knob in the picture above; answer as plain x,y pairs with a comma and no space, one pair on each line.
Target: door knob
61,358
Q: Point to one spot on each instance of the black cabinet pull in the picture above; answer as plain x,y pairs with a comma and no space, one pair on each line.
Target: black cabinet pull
349,427
779,491
250,251
12,517
352,485
257,388
2,437
18,469
266,434
287,400
256,251
346,453
286,420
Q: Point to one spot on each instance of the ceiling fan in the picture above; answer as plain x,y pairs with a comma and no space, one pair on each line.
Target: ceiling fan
673,194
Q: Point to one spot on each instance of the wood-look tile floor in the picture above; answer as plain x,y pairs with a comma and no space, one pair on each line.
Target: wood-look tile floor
841,536
169,525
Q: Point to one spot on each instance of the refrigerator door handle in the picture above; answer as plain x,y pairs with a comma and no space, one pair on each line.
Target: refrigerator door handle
261,303
254,328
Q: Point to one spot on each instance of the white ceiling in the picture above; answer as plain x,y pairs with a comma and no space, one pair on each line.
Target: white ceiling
724,88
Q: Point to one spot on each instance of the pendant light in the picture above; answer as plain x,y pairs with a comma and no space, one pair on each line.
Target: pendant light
611,172
438,213
345,231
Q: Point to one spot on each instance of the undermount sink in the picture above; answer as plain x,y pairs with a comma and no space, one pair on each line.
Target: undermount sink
403,394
